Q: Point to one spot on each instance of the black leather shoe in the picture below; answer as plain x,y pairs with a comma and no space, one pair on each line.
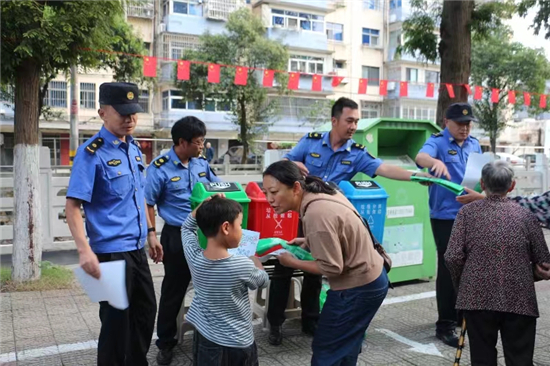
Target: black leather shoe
448,337
164,356
309,328
275,335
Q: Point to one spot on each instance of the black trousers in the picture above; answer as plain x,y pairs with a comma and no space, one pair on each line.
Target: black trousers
174,285
517,333
444,289
125,335
280,288
207,353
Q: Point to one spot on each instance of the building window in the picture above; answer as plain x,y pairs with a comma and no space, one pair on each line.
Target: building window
56,96
431,115
371,37
87,95
372,74
188,7
307,64
335,31
144,100
412,75
173,99
369,110
371,4
293,20
394,4
339,64
166,100
432,77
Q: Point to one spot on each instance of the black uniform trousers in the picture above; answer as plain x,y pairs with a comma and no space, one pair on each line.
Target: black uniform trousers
280,288
126,335
174,285
444,288
517,332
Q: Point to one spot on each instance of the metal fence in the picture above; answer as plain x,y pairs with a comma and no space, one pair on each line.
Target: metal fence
531,179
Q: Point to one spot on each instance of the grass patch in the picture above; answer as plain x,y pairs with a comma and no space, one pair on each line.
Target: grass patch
53,278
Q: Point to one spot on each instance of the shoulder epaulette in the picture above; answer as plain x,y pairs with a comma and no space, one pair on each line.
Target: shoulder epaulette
314,135
136,143
475,138
358,146
160,161
94,145
437,134
202,157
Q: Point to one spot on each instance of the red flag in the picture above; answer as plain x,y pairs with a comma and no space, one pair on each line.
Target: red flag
317,83
495,95
468,89
403,89
526,99
213,73
268,78
363,86
512,97
430,90
184,68
241,75
383,87
450,90
542,103
336,80
478,93
293,80
150,67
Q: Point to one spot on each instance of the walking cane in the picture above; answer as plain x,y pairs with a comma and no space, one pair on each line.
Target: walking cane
460,343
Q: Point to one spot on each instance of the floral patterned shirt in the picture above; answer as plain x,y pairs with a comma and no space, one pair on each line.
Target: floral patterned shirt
538,205
493,246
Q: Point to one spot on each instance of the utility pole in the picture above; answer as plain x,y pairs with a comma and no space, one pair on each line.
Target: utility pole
74,117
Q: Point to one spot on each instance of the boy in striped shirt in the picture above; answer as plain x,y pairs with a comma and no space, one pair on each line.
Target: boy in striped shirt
220,310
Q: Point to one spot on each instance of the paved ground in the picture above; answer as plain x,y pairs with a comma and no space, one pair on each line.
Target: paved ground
61,328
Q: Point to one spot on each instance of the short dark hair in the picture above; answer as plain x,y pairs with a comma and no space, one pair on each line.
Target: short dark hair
340,104
288,173
187,129
214,212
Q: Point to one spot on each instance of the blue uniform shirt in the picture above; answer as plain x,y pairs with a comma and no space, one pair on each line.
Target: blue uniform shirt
170,183
442,146
108,175
315,152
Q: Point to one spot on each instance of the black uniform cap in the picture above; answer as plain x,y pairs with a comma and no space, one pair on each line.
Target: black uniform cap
460,112
123,97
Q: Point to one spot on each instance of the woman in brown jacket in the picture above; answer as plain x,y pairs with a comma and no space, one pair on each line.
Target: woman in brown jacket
344,252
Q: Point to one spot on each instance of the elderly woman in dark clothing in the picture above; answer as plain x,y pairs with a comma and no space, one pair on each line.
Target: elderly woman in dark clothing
494,251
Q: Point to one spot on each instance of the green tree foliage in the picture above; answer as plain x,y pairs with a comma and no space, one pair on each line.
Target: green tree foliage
499,63
541,18
458,22
243,43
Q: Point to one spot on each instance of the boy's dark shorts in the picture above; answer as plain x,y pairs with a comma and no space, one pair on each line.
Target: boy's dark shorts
206,353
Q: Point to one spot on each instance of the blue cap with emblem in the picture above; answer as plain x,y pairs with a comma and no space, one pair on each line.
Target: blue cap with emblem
460,112
123,97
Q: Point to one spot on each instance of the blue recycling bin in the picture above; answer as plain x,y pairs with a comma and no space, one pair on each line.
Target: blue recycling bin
369,199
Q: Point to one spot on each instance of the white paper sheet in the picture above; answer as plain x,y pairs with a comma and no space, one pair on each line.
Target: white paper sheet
475,164
110,287
248,244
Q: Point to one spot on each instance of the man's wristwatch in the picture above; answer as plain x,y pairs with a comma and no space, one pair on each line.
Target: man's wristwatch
151,230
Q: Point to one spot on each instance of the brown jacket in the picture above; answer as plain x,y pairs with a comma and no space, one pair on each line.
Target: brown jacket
339,241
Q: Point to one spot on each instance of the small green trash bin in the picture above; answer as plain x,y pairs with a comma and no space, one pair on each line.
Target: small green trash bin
231,190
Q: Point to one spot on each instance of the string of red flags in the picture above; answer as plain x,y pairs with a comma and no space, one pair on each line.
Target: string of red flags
185,72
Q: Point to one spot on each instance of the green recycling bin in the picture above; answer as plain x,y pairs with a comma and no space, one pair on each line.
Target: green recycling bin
408,237
232,190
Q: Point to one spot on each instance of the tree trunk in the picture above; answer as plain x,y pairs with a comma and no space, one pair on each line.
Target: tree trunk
493,141
455,51
27,231
244,130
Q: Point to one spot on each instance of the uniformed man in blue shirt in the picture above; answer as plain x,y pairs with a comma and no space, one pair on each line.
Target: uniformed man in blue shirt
446,154
333,156
170,180
108,179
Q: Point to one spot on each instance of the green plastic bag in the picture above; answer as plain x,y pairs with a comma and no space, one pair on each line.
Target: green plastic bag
270,245
323,295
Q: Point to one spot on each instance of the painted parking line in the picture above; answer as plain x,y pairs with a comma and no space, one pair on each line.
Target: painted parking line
79,346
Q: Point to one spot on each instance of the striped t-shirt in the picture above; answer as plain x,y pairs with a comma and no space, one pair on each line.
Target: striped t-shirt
220,309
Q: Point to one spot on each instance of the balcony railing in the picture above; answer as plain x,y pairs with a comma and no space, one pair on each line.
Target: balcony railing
143,9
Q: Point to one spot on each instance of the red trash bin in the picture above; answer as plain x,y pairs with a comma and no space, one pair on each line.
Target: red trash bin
263,219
